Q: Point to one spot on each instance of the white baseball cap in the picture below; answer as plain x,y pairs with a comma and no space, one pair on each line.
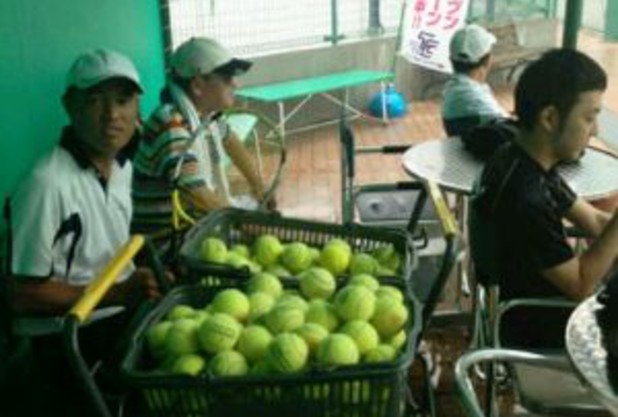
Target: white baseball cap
96,66
471,43
201,56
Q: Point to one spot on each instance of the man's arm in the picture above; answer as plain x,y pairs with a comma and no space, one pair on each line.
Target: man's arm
202,199
587,217
578,277
52,297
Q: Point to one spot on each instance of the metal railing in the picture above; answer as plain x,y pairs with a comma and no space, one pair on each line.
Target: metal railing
261,27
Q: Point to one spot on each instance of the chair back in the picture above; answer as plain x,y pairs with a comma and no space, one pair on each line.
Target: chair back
482,243
460,125
472,359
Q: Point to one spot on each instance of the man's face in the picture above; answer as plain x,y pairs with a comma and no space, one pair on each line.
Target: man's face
579,126
104,117
217,92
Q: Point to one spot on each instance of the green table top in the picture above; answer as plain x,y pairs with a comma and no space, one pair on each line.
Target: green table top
313,85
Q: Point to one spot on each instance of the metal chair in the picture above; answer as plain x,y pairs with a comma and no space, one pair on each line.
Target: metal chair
536,386
544,384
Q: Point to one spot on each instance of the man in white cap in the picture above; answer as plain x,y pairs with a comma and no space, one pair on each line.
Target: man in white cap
72,214
467,100
185,139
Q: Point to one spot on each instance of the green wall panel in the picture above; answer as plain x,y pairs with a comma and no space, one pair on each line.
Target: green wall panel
40,39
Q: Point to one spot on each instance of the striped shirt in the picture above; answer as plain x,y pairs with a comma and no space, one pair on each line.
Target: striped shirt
166,143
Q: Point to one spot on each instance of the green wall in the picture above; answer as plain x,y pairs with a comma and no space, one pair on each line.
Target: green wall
40,39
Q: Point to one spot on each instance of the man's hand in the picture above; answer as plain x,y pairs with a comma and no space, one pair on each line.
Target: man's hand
140,286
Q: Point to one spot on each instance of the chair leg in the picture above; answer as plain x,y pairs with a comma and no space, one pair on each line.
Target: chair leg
428,405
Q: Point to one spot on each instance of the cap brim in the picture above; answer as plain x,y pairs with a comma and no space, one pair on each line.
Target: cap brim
234,67
94,83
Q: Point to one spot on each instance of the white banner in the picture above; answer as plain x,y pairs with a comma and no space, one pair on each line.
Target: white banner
428,26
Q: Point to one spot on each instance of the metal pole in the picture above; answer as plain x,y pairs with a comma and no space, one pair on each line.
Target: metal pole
166,26
491,10
375,26
572,22
334,36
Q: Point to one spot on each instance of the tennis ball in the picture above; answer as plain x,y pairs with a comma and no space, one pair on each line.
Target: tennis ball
228,363
287,353
389,317
296,257
312,334
253,342
363,263
236,260
213,249
291,297
200,316
278,270
260,303
261,367
355,302
314,253
218,332
180,311
365,280
341,244
317,283
381,353
323,313
388,257
156,336
181,338
190,364
284,317
363,333
398,340
265,282
390,291
240,249
233,302
385,272
267,249
337,349
335,256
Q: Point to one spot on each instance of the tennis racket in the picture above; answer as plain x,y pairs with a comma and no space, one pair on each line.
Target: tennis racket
265,144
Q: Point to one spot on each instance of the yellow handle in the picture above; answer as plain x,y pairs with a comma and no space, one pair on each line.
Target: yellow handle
449,224
94,292
178,213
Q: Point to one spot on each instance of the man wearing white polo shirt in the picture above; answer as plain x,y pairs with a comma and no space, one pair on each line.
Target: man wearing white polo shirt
467,99
72,214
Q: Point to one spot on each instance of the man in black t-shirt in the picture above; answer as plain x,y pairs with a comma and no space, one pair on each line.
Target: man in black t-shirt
521,201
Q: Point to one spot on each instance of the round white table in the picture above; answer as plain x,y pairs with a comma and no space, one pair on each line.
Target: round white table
587,353
448,164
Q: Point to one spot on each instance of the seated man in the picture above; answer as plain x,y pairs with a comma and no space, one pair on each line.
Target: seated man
185,139
467,100
522,201
72,214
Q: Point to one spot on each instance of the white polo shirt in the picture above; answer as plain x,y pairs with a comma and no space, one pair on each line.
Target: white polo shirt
462,97
66,223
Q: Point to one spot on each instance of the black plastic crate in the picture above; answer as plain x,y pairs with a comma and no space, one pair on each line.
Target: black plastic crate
235,226
376,390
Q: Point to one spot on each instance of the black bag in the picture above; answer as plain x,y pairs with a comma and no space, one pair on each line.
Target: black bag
484,140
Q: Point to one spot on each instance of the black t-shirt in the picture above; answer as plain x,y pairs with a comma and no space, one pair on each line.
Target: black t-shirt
524,206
